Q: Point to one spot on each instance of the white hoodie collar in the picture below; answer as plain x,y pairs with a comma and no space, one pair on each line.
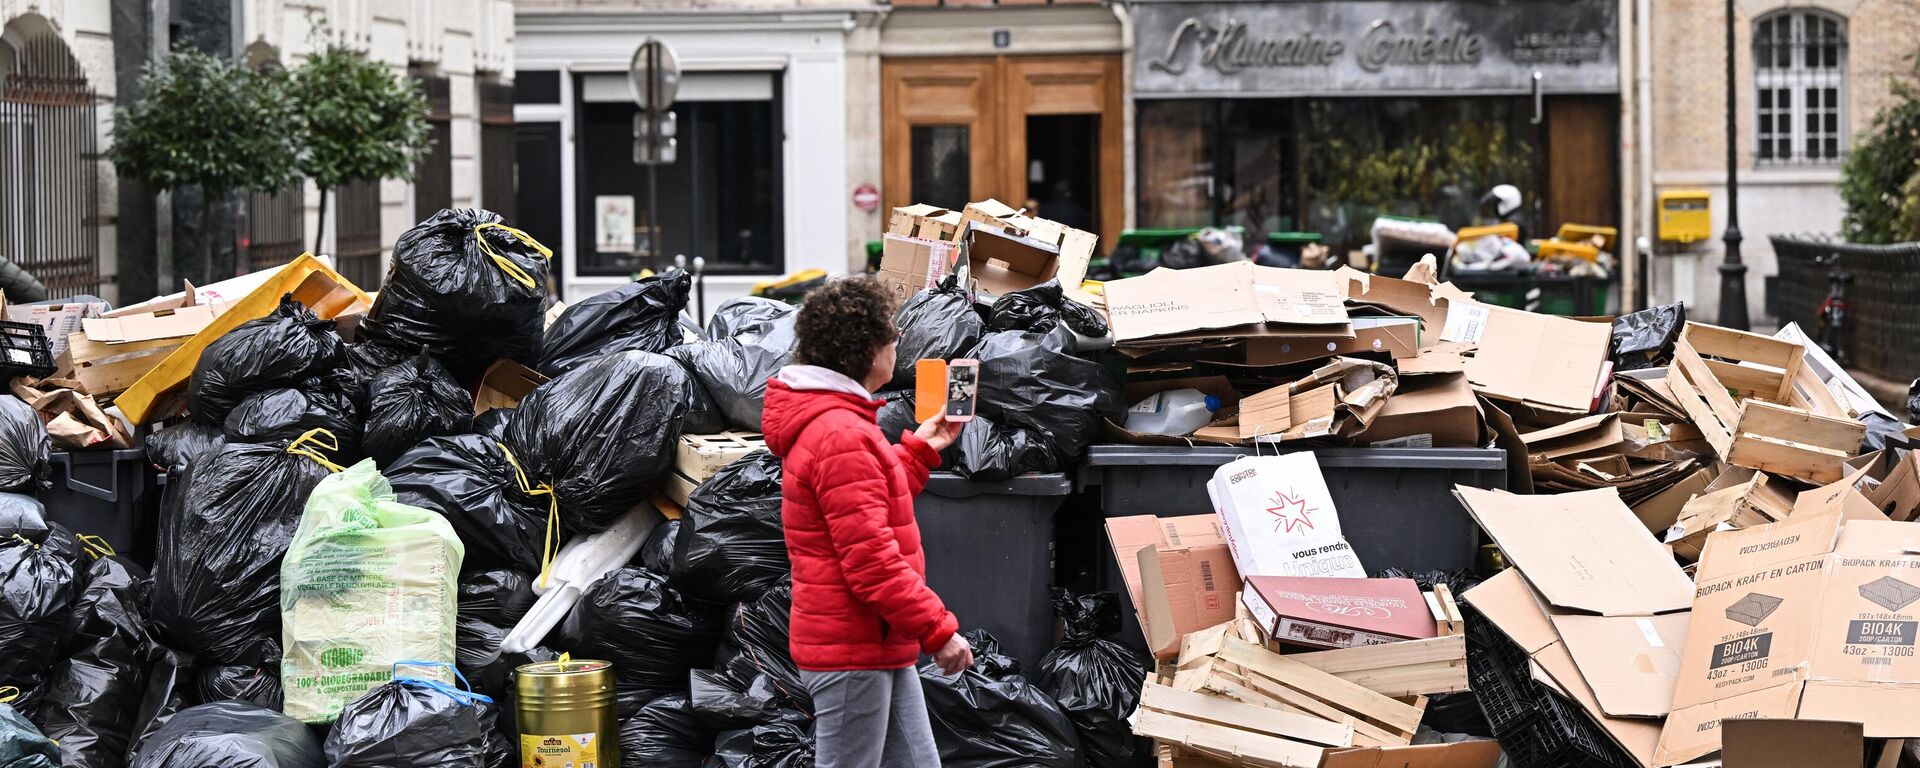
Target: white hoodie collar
816,378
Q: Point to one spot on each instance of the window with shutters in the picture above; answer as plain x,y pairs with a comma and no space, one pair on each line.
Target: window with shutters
1800,82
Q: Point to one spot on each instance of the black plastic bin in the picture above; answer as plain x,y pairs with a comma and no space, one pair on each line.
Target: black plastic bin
1396,505
989,548
110,494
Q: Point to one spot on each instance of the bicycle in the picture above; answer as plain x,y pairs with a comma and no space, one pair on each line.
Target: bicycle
1835,335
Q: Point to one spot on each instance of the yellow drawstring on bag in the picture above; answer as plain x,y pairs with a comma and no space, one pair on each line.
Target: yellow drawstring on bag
505,264
25,540
8,693
551,548
313,436
95,546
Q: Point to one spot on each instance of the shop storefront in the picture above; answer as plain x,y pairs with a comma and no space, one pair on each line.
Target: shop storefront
759,186
1319,115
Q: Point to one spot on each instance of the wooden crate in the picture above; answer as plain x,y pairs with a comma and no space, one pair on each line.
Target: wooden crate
700,456
1759,406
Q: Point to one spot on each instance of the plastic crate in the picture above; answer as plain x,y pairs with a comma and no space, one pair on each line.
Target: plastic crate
109,494
1396,505
24,350
1499,674
1561,736
989,548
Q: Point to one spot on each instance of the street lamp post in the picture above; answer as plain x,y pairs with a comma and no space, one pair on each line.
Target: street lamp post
1733,274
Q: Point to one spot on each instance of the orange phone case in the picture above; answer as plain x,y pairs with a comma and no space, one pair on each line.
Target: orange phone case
929,389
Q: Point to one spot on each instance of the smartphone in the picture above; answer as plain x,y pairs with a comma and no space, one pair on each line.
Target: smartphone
963,385
929,389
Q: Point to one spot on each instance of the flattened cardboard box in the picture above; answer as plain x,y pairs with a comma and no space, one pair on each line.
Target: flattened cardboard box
1459,754
1537,360
1237,299
1397,337
1584,551
1810,618
1337,612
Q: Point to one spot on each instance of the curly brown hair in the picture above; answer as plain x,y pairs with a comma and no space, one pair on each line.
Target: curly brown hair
843,324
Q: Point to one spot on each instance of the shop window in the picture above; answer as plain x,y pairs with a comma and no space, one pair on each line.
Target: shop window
1430,157
1176,163
719,200
433,173
1800,58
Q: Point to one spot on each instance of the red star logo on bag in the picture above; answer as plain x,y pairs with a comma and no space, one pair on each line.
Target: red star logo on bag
1290,512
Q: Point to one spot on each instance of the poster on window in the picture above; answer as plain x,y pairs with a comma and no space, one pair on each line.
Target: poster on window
613,223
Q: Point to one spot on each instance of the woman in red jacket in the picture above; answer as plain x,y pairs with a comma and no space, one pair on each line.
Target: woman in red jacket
862,612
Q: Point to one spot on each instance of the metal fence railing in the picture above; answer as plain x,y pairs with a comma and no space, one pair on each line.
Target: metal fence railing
1884,295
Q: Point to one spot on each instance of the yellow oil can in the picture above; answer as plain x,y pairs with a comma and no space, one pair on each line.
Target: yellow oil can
566,714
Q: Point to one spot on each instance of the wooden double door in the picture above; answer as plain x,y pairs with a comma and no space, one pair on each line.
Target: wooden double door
1044,132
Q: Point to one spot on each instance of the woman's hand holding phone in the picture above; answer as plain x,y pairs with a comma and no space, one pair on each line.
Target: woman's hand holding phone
938,432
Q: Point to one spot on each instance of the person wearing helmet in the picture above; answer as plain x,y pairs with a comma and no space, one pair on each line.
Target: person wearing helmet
1502,204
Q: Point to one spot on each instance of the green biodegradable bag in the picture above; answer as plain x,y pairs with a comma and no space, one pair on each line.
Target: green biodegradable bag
367,582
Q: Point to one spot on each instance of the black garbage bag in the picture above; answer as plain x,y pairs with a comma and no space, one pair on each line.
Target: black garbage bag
637,316
93,692
472,482
24,516
174,446
1043,307
493,423
936,323
726,704
1913,400
501,596
22,745
23,447
773,745
1184,253
254,684
276,351
756,646
653,636
63,544
170,689
281,415
226,734
656,554
988,716
492,672
410,402
223,532
602,435
1883,431
414,722
1031,381
731,545
1645,339
703,416
748,340
38,588
987,450
467,288
1096,680
665,734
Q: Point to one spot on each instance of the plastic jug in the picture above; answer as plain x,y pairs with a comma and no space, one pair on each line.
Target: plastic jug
1176,412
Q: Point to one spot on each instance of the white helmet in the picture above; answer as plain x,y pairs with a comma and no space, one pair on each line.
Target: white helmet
1505,198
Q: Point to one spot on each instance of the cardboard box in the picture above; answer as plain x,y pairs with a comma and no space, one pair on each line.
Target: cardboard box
1279,518
1537,360
1778,743
1179,575
1436,411
1810,618
503,386
59,320
1026,252
1227,300
926,222
1898,494
1459,754
148,326
1402,297
1397,337
1660,511
909,265
1337,612
1584,551
1512,606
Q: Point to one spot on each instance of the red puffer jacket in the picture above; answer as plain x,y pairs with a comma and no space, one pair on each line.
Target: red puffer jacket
860,596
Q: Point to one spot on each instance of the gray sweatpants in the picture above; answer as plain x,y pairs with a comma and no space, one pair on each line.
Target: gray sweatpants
870,719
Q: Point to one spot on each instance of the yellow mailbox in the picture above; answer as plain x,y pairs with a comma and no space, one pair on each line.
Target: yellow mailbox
1684,216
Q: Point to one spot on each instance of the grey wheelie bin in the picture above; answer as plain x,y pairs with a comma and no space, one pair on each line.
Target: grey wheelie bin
989,548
